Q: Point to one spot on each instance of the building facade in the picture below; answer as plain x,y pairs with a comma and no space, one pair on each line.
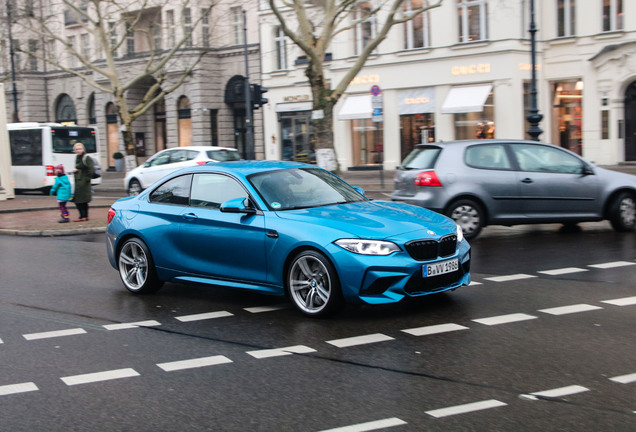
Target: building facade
198,112
463,70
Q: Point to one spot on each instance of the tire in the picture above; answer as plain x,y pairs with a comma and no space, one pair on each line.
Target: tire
622,212
313,286
468,215
136,268
134,187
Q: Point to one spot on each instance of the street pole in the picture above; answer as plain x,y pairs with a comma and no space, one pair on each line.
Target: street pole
534,117
16,117
249,115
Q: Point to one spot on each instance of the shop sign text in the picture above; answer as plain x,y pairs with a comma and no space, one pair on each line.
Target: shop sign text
473,69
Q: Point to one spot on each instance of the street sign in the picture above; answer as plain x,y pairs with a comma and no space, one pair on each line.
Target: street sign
375,90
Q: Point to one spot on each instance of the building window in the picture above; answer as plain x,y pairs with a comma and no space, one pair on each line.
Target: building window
365,26
156,37
130,39
171,28
237,24
612,15
473,20
280,41
112,37
416,129
366,141
205,28
86,49
417,30
33,61
565,18
184,114
187,26
214,127
480,125
567,114
72,60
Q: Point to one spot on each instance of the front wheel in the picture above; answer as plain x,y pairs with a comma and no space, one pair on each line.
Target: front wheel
622,214
136,268
468,215
313,285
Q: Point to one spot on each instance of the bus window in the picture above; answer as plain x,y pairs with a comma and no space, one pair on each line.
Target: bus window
64,138
26,147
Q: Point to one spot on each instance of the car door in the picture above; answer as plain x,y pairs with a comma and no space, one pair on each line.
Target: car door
229,246
554,183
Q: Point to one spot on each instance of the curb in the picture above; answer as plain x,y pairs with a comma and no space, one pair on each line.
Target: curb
51,233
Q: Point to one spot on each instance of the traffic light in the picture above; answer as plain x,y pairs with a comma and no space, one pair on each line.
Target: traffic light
257,96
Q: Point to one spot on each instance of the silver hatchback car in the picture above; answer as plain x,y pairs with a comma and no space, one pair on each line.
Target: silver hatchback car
512,182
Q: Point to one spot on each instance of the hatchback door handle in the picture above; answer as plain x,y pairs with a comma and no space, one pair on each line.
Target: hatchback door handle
526,180
190,216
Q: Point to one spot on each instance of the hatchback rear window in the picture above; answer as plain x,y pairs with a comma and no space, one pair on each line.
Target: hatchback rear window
421,158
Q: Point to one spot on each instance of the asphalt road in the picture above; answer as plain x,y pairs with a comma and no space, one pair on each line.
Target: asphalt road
542,340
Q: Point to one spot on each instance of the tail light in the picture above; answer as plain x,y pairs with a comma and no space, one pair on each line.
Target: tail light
111,215
50,171
427,178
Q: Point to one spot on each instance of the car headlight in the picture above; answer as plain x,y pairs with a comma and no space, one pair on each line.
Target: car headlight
460,234
368,247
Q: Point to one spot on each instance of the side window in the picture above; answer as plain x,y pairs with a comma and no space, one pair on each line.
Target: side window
26,147
540,158
162,159
191,154
178,156
491,156
174,191
212,190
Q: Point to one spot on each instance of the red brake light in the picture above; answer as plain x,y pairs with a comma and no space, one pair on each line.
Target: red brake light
201,163
50,171
427,178
111,214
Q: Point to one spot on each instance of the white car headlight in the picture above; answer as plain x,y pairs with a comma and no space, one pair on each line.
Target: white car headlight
368,247
460,234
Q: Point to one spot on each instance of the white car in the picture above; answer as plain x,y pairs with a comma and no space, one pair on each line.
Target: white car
169,160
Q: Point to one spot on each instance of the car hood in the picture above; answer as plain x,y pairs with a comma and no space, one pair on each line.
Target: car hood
374,219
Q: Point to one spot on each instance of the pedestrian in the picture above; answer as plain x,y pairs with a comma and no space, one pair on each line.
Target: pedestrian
62,188
83,174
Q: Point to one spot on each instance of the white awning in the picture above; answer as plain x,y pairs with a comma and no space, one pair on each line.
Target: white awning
293,106
466,99
356,107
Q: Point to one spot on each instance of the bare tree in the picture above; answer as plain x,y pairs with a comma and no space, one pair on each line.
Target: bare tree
313,25
112,25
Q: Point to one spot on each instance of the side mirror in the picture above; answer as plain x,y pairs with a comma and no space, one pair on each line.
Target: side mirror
146,164
587,170
237,205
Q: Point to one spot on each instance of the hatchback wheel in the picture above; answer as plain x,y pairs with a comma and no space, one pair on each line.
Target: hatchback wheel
136,268
134,187
622,213
313,285
468,215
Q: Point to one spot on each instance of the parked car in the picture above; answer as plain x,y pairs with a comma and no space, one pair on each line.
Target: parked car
283,228
173,159
506,182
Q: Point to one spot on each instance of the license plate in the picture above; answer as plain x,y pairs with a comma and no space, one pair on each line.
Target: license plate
440,268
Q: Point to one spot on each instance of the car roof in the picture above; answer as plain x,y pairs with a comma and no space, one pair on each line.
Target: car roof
201,148
478,141
249,167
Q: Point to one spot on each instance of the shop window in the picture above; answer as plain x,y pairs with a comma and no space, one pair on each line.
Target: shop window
415,129
296,137
567,114
480,125
605,124
473,20
367,142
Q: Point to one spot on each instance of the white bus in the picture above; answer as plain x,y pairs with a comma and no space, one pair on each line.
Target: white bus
36,148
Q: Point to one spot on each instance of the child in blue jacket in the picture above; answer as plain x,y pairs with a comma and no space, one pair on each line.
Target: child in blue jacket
62,188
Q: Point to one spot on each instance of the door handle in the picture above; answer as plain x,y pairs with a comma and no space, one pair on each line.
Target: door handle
272,234
526,180
190,216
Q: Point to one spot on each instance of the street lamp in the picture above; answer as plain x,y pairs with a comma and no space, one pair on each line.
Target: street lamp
534,117
16,117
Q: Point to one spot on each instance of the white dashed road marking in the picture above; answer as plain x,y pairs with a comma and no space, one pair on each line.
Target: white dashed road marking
625,379
194,363
52,334
505,319
509,278
277,352
564,310
360,340
370,426
434,329
122,326
17,388
563,271
627,301
612,264
561,391
204,316
99,376
463,409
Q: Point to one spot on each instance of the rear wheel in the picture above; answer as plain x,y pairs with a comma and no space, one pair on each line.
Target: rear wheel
313,285
622,213
468,215
134,187
136,268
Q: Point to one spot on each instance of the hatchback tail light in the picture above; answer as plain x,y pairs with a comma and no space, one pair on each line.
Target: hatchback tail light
50,171
111,215
427,178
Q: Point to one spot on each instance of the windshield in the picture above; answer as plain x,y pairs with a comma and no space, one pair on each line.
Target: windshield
421,158
223,155
297,188
65,137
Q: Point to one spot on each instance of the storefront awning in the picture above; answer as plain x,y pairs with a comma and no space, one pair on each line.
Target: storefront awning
416,101
356,107
294,106
466,99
